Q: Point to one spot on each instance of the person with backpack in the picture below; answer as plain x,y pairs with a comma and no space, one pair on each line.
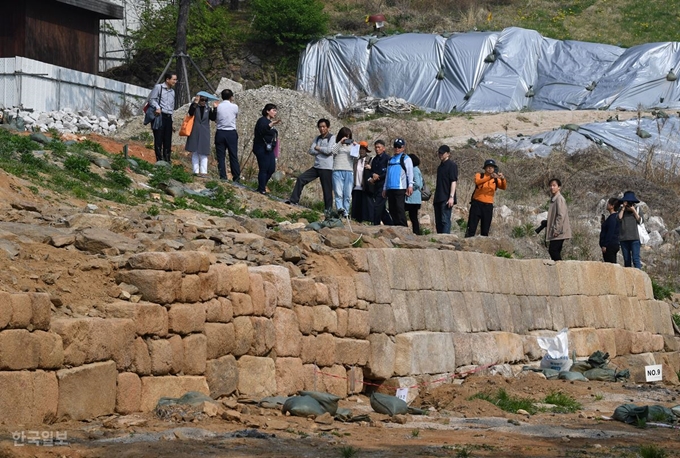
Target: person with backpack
481,204
414,201
398,182
445,192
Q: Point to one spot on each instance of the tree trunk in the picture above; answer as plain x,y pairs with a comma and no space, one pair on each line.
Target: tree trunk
233,5
180,50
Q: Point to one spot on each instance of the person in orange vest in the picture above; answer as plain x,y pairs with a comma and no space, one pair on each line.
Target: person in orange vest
481,204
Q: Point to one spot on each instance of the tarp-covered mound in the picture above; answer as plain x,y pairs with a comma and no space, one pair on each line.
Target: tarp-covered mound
490,72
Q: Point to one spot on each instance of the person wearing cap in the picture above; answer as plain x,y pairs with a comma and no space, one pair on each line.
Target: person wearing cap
629,237
198,142
361,208
226,136
558,228
376,182
415,200
445,191
398,182
481,204
322,168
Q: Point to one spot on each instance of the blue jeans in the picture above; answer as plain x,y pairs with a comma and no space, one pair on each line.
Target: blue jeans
342,188
442,217
630,249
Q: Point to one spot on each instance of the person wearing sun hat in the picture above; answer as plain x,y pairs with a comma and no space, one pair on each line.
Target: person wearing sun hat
629,237
481,204
362,206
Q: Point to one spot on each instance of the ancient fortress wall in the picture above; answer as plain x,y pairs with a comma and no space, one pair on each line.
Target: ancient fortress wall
219,329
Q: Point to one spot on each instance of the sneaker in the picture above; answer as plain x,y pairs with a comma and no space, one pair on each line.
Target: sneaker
342,213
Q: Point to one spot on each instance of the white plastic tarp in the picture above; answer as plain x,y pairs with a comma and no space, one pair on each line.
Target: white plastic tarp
341,70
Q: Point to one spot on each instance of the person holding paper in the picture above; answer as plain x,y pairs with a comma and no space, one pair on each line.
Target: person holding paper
343,169
362,205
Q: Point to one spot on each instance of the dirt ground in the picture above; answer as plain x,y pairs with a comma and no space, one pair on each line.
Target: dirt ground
455,427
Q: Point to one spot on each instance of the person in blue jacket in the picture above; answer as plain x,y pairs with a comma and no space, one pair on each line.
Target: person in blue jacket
609,233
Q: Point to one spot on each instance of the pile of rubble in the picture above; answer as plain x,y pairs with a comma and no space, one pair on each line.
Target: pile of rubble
64,121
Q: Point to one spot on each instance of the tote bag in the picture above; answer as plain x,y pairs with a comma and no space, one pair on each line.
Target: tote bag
187,126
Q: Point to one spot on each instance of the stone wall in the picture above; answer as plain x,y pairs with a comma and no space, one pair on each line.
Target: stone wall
220,329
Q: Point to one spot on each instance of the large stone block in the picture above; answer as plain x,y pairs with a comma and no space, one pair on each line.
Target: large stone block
347,292
305,316
289,376
28,398
195,354
207,285
342,316
356,259
427,302
624,341
325,350
506,316
237,278
382,356
591,277
22,310
87,392
141,360
334,380
324,319
50,349
658,319
128,393
219,310
355,380
242,304
280,278
221,339
434,277
556,308
152,260
304,291
244,335
155,286
160,352
641,283
177,347
149,319
271,299
288,333
574,315
454,306
256,376
424,353
607,341
364,287
398,268
475,311
154,388
400,310
532,351
493,322
329,296
189,262
352,352
323,295
376,264
584,341
510,347
18,350
452,271
190,289
670,363
264,336
186,318
569,278
358,324
41,310
5,309
308,349
257,294
641,342
484,350
222,376
381,319
630,307
473,272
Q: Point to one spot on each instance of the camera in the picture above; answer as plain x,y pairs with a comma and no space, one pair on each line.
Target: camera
543,225
495,169
347,141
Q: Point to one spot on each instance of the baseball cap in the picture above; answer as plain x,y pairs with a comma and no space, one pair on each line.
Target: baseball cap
444,149
399,143
363,144
489,162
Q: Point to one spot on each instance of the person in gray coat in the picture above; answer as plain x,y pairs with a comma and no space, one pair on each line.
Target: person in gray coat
198,142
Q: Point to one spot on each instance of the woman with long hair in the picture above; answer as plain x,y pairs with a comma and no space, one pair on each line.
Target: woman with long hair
264,142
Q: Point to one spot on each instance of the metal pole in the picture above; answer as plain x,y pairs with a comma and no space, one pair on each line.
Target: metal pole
201,73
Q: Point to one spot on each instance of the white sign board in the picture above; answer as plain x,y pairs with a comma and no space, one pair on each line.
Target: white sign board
653,373
402,393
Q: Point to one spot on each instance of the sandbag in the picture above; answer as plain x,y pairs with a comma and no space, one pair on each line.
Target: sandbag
598,359
573,376
660,413
328,401
272,402
303,406
388,405
580,366
190,398
630,413
551,374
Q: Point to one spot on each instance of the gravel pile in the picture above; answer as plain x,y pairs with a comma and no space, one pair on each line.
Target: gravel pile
64,121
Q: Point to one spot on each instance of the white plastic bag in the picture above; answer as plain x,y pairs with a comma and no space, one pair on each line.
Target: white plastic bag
643,234
557,351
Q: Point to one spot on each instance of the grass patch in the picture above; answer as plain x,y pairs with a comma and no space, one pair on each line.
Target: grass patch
348,451
652,451
563,402
661,292
310,215
523,230
503,254
504,401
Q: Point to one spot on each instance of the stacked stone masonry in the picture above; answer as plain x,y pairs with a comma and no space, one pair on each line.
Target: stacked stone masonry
222,329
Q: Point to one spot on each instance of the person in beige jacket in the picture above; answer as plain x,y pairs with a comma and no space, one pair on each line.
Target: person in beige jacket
558,228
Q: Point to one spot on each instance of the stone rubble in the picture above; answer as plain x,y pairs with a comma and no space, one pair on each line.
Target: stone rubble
65,120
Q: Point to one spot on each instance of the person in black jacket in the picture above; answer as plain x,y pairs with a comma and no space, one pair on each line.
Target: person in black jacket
609,234
376,181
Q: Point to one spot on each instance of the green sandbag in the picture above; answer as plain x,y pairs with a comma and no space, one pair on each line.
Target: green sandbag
580,366
598,359
328,401
551,374
190,398
660,414
630,413
603,375
388,405
571,375
272,402
303,406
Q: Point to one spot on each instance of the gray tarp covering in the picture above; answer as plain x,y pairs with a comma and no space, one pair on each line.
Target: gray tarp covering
435,72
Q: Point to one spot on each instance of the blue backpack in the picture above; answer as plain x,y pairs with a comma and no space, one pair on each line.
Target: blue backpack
393,177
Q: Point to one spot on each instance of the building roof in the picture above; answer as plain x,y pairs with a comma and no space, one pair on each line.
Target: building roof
103,8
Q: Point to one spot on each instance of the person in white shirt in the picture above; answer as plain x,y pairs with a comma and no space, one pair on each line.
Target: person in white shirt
362,206
226,136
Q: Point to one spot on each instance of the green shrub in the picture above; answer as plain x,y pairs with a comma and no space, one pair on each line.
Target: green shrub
661,292
522,230
77,163
503,254
118,179
153,210
504,401
652,451
563,402
289,23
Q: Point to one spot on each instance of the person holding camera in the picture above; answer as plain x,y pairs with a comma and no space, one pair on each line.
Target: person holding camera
343,170
629,237
264,142
481,204
609,232
558,228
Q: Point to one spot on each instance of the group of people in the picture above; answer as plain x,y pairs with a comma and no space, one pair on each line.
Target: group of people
224,114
